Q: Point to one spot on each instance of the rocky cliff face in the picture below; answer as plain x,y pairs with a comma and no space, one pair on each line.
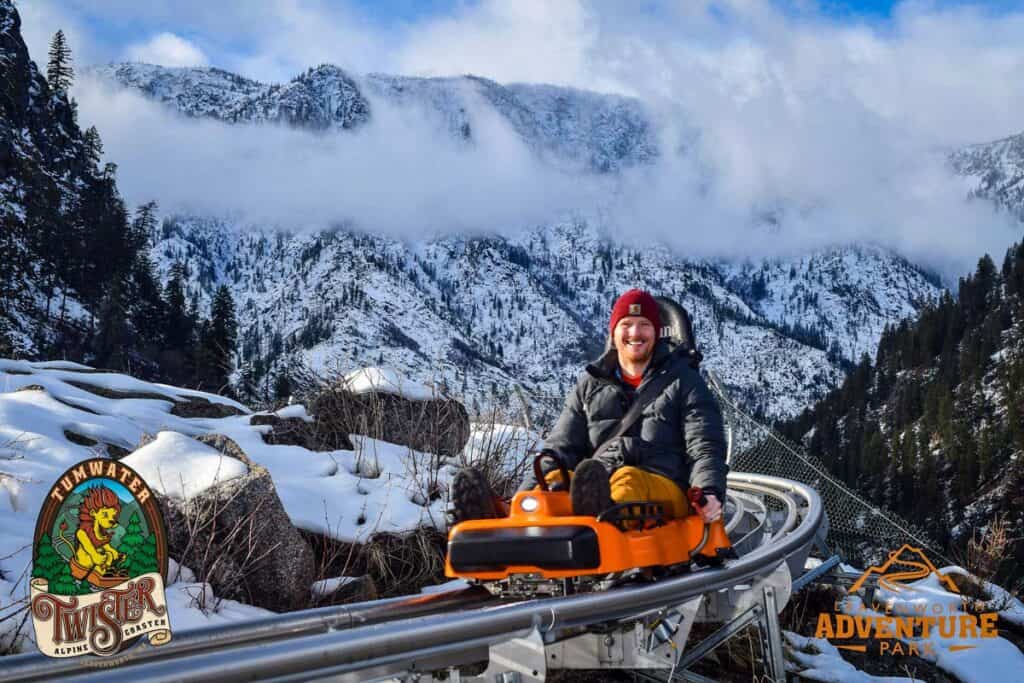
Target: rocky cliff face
590,132
479,315
43,169
995,171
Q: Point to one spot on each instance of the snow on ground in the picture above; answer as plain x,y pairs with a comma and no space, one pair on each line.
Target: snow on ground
349,495
182,468
192,604
386,380
494,444
988,659
1009,608
819,660
296,410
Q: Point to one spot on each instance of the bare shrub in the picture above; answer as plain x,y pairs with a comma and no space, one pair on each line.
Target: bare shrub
389,564
406,564
217,554
333,559
989,551
13,634
496,451
14,610
11,450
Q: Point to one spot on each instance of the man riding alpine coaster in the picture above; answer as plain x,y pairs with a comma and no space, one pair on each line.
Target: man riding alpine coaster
616,450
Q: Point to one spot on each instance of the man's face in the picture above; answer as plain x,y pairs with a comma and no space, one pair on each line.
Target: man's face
634,339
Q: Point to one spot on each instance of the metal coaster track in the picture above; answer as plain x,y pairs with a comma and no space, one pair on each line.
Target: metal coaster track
774,523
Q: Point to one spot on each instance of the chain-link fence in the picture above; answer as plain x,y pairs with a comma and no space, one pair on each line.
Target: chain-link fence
864,533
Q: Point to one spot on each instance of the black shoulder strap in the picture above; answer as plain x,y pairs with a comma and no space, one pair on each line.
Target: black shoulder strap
644,399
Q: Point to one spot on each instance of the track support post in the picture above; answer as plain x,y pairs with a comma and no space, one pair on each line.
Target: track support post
518,660
771,637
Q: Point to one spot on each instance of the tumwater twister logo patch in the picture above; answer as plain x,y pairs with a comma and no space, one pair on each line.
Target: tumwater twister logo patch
99,564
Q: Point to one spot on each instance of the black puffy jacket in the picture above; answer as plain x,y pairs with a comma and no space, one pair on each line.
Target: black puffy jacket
679,435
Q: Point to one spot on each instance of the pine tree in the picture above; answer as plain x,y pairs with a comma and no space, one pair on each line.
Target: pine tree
145,304
144,224
92,147
51,566
178,325
223,322
112,338
217,339
147,560
132,545
282,386
58,71
178,330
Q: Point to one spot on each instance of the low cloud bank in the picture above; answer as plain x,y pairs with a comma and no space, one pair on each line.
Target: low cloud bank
780,131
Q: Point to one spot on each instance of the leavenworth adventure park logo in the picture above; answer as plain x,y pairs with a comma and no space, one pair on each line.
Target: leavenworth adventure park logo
99,564
910,629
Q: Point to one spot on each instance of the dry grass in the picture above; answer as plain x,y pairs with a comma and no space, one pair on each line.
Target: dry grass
389,564
504,460
988,553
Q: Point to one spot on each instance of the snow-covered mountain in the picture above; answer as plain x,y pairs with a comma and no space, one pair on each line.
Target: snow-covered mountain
600,132
995,170
479,314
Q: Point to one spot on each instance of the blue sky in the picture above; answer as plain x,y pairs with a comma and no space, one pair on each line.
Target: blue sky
365,34
882,9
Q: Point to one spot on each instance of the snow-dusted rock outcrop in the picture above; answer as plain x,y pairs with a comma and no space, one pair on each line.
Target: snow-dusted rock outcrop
53,414
225,521
383,405
995,171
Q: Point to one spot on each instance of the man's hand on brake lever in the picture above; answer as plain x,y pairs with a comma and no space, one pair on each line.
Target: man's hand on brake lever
712,508
706,503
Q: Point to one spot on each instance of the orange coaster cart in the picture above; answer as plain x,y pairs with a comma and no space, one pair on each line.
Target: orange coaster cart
542,539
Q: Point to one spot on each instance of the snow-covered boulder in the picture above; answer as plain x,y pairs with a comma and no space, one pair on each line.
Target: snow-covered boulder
290,426
381,404
224,519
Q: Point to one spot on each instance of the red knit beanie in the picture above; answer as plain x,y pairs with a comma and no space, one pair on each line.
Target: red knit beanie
636,302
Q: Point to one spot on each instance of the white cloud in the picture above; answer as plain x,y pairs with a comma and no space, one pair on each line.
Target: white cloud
40,20
841,124
398,175
528,40
167,49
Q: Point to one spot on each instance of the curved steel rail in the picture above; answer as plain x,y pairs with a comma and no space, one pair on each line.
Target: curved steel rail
34,667
299,654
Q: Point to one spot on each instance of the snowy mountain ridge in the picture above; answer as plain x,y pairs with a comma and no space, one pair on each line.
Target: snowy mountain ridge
602,132
995,171
478,315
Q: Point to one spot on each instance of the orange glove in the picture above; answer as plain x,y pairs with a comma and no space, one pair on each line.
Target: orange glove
554,480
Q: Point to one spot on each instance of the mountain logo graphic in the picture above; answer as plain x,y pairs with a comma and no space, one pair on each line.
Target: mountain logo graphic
906,564
912,627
